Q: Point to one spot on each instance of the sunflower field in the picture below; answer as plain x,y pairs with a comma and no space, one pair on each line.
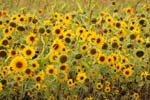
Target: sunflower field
74,50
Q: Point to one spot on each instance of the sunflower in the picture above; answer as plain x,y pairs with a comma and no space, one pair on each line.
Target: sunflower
67,18
91,37
40,12
127,72
57,31
1,23
102,59
56,15
6,32
63,58
107,83
5,42
31,39
69,33
136,96
19,64
12,53
115,45
115,57
140,40
50,70
53,57
107,89
143,75
28,73
63,67
88,98
84,47
139,53
38,86
109,20
79,69
99,85
129,11
38,79
18,78
62,76
80,31
81,77
70,83
118,67
28,52
34,64
1,86
3,54
99,41
124,59
133,36
57,45
22,19
44,87
29,18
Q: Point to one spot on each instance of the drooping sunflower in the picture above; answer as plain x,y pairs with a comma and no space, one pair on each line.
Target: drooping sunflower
19,64
28,52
